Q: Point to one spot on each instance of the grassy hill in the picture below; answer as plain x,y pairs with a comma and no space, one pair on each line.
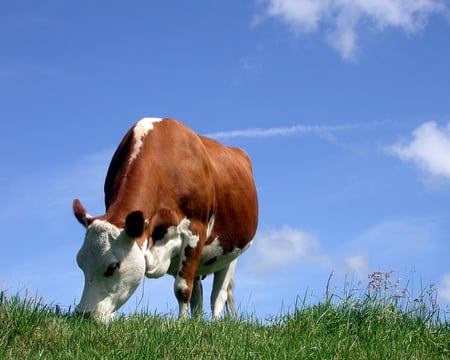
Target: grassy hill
377,323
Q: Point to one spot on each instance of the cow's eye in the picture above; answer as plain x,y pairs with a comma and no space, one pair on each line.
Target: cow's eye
111,268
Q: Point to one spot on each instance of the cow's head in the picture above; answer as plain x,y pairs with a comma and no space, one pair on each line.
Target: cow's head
112,262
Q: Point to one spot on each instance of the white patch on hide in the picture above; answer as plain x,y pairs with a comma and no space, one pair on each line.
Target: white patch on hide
140,130
210,226
181,286
212,250
191,240
160,256
165,255
215,251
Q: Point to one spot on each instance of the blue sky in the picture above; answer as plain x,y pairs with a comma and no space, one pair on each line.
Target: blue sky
344,108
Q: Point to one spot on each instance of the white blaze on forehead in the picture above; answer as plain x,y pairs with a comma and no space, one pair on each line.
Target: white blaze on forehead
105,226
140,130
98,240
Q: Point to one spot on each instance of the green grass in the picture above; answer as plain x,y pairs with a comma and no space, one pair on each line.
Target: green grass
377,323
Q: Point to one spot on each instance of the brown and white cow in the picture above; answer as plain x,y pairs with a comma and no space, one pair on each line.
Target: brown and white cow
176,203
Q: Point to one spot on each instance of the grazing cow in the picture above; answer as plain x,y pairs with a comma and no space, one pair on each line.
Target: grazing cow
176,203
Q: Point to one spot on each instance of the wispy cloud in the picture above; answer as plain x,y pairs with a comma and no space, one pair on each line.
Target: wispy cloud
358,265
341,20
324,131
46,192
429,149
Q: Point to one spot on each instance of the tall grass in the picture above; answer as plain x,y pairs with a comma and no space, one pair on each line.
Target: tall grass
380,321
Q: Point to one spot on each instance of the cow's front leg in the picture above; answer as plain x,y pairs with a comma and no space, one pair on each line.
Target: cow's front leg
193,235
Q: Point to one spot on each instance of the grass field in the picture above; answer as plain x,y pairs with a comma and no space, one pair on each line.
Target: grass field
379,322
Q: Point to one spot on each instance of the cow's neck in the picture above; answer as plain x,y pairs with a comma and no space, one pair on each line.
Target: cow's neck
127,202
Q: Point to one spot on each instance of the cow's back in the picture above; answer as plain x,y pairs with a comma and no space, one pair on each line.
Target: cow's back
192,175
171,170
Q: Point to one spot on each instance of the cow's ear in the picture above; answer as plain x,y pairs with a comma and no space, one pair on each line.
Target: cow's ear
81,214
134,224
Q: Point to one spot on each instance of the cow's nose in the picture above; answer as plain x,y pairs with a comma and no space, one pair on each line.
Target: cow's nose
82,313
103,318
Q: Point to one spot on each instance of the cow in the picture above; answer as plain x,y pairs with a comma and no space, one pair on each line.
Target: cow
176,203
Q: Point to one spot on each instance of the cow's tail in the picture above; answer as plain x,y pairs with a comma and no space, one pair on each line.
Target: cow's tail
231,309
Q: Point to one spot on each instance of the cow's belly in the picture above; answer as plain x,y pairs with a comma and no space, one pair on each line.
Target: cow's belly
214,259
165,256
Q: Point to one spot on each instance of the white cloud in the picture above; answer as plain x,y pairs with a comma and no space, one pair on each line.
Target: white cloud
396,244
342,19
444,288
429,149
281,248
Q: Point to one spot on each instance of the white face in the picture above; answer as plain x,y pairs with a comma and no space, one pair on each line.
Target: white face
113,266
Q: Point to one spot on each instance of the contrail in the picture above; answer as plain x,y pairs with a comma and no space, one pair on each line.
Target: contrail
325,131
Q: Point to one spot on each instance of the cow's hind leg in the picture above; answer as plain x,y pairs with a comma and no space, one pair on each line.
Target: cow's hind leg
231,309
197,296
220,290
